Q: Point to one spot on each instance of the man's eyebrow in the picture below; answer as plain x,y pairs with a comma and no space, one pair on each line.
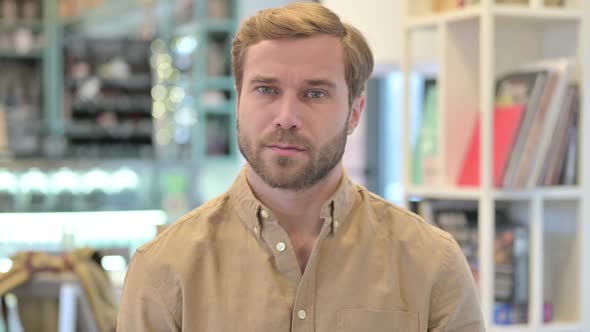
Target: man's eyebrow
263,79
321,82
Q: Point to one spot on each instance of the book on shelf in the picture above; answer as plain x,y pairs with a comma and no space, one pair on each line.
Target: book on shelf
108,100
507,121
511,272
533,128
511,245
569,175
552,167
515,92
462,225
20,96
540,87
539,145
425,157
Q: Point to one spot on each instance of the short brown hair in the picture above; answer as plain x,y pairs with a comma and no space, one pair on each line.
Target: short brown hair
300,20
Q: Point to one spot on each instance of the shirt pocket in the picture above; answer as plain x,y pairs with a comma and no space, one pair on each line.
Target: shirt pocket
364,320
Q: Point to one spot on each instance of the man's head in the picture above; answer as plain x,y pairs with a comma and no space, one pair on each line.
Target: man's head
300,76
301,20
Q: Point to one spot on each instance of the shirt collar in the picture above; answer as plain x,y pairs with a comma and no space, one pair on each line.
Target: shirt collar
253,213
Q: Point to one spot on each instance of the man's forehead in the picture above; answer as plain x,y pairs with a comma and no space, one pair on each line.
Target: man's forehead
311,58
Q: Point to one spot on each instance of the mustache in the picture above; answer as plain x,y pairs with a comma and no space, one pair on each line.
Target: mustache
288,137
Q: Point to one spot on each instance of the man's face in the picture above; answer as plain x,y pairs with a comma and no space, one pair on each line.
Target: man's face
293,111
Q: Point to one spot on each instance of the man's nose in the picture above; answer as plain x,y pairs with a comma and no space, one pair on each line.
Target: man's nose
289,112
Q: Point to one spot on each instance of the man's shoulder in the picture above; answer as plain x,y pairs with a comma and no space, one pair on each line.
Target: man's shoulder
402,225
191,228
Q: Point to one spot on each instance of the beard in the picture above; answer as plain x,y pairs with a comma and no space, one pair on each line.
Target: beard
299,172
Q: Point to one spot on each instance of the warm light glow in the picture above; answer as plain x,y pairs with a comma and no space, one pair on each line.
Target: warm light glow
185,117
186,45
158,109
5,265
159,92
65,179
125,178
8,181
84,227
96,179
34,180
113,263
177,94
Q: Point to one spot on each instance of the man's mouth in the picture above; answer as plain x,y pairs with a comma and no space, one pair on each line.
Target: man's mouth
285,150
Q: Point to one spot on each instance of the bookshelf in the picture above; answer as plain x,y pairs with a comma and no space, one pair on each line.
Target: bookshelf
166,185
200,46
466,50
30,89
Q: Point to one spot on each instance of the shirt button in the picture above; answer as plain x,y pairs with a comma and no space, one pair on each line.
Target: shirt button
264,214
281,246
302,314
336,223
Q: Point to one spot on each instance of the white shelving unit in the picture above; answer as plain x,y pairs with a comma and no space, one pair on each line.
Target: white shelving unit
466,49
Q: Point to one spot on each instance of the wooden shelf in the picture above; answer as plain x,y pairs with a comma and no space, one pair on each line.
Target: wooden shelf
447,193
454,193
549,13
560,327
11,54
104,11
224,25
564,192
552,327
470,48
35,25
512,328
432,21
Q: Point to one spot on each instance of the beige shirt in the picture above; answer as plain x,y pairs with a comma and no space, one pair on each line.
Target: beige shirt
229,266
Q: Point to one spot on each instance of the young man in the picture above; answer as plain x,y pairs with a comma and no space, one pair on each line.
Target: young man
294,245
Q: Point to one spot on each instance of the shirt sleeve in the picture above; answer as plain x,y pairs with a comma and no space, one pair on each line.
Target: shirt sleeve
454,305
147,302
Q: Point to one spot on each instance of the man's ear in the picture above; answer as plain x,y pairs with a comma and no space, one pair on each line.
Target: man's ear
358,106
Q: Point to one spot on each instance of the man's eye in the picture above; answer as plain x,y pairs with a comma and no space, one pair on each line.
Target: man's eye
315,94
265,90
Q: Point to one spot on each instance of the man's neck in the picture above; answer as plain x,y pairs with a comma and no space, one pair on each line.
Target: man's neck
296,210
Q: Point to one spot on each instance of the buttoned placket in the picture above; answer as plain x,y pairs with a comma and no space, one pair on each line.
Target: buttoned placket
277,240
304,306
279,243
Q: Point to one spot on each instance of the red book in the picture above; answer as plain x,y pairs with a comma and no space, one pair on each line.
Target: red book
507,120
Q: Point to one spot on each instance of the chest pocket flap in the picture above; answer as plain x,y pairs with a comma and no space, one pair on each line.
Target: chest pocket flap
363,320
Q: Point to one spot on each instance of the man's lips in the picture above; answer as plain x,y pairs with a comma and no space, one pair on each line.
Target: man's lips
285,150
285,147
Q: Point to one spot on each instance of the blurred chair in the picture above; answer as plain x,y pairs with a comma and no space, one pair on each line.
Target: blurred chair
59,293
73,309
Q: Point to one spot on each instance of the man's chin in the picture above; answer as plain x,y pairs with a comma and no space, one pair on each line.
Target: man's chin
284,172
282,177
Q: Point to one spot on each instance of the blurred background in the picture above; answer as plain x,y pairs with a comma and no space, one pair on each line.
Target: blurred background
117,117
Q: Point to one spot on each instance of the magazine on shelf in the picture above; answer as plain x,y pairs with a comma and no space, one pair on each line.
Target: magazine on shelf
553,166
563,67
534,134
